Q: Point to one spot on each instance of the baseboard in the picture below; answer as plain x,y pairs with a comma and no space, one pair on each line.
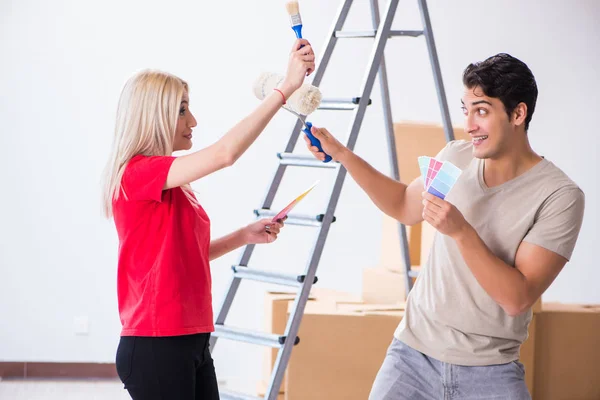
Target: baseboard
57,370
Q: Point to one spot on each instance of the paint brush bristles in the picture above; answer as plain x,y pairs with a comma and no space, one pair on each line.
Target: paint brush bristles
293,10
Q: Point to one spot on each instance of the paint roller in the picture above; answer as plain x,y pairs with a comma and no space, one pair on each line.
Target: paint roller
303,101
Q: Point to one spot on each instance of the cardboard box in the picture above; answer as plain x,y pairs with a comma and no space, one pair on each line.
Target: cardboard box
261,390
391,253
383,286
420,238
413,139
276,315
341,350
567,354
337,330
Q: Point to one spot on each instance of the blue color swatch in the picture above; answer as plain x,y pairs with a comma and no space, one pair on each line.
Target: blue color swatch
438,176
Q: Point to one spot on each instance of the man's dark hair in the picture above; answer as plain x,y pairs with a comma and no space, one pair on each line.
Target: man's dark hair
506,78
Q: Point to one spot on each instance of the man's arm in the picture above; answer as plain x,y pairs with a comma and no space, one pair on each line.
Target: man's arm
396,199
516,288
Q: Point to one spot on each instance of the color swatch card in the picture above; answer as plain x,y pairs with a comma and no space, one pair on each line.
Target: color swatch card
438,176
283,213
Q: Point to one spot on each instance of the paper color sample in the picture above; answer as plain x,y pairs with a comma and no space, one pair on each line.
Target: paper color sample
283,213
438,176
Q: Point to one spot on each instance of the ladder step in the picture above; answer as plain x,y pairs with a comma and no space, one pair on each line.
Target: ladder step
304,161
372,33
230,395
340,104
248,336
294,219
244,272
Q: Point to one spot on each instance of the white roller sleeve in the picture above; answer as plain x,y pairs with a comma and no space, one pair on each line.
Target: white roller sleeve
303,101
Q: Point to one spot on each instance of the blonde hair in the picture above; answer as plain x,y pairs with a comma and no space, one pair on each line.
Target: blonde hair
146,123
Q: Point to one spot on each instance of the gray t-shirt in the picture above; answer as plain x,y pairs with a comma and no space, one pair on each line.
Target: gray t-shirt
449,316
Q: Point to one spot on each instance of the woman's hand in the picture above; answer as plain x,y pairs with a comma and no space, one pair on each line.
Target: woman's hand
300,65
263,231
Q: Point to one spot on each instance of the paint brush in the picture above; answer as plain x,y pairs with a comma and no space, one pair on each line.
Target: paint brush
293,10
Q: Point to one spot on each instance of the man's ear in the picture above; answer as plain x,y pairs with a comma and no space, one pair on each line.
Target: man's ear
519,114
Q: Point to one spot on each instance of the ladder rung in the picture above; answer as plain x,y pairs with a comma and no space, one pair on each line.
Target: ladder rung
340,104
294,219
248,336
413,273
304,161
230,395
406,33
372,33
243,272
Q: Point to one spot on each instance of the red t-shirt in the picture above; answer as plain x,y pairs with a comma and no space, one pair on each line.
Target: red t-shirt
164,282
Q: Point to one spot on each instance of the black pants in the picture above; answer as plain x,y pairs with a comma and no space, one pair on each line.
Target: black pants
167,368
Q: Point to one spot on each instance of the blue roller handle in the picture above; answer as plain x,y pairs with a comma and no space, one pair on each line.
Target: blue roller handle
315,142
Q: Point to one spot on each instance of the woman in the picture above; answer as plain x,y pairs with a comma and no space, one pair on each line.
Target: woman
164,282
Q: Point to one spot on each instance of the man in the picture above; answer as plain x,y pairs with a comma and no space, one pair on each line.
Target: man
504,233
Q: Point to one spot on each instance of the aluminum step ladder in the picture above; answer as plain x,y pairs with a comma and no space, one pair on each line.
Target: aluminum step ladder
381,32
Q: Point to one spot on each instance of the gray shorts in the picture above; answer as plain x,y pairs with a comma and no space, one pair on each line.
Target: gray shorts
409,374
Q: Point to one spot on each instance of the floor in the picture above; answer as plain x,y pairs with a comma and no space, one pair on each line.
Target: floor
18,389
62,389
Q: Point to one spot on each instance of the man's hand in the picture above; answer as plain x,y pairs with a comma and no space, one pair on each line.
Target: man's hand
443,216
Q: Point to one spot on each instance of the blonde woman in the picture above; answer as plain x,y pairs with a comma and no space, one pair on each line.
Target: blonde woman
164,281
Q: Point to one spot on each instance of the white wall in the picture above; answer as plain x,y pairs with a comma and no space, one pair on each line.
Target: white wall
64,62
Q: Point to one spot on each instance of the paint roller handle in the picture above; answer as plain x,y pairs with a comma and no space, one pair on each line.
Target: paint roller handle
314,141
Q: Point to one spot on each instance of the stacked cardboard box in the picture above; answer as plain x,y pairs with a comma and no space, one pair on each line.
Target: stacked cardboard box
261,390
412,140
341,350
276,315
380,285
567,354
342,344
